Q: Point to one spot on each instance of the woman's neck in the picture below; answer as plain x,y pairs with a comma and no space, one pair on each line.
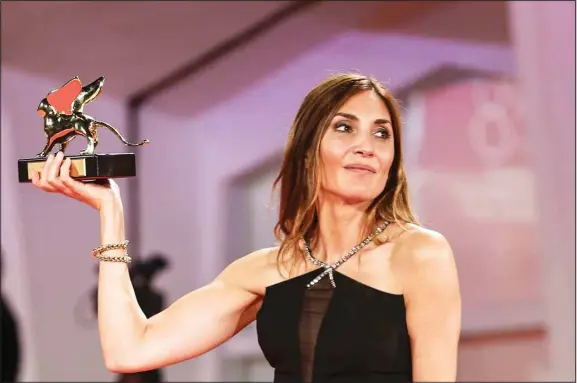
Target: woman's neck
341,227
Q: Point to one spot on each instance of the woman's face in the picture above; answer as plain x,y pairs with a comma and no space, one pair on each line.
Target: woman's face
357,150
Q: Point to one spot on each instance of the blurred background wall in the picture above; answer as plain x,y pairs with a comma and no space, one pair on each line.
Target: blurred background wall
488,91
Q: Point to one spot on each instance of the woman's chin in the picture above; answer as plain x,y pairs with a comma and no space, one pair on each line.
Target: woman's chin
350,195
357,198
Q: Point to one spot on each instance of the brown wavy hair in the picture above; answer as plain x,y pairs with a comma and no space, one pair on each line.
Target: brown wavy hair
299,174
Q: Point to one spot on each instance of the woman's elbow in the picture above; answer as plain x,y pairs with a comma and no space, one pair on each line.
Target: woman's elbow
122,366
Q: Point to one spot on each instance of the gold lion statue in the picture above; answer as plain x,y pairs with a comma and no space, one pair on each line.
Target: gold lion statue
64,119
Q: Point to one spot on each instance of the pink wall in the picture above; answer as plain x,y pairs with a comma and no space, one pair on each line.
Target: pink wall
517,357
15,263
478,189
544,37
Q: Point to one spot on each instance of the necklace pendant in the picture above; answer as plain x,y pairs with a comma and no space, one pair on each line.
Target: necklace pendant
332,277
330,268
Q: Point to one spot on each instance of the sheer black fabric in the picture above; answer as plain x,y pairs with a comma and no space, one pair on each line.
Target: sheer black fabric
315,305
351,333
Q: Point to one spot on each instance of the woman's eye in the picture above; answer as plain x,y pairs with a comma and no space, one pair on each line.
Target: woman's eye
383,133
342,127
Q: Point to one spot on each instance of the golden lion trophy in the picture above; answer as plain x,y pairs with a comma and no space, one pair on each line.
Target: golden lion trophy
64,119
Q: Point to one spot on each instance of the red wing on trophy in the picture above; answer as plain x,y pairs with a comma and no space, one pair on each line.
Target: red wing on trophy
62,98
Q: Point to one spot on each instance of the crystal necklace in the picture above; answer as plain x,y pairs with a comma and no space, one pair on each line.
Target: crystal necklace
329,268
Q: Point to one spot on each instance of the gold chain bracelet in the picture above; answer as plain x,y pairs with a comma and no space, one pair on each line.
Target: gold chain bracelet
122,258
97,253
113,246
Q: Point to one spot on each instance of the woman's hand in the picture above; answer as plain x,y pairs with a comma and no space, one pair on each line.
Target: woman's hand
55,178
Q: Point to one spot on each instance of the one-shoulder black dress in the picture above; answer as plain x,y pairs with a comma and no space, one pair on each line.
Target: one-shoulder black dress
325,334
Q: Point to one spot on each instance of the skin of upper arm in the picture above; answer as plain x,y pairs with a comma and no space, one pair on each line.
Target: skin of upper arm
201,320
432,296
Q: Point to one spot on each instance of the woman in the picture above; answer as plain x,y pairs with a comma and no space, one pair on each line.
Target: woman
389,310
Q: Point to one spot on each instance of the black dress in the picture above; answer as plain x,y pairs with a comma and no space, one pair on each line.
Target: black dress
350,333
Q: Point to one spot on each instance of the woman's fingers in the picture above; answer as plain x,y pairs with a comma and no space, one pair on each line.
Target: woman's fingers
55,178
35,177
75,188
42,182
53,174
53,170
45,169
50,179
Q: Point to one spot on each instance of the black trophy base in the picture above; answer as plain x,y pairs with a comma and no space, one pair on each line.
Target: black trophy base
85,167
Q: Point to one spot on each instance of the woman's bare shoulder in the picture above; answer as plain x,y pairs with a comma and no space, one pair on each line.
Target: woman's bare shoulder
257,259
420,243
421,254
413,243
408,236
253,272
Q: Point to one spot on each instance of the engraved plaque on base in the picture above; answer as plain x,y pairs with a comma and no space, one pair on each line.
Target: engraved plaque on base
62,111
85,167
